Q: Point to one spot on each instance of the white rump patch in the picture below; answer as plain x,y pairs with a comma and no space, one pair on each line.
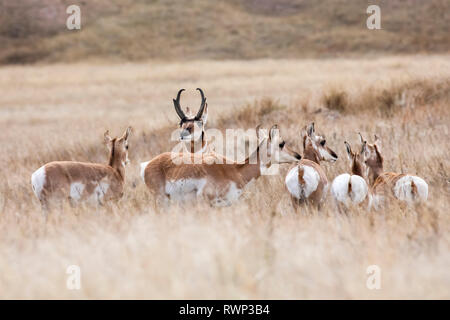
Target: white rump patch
339,189
38,181
184,188
359,189
143,165
292,183
76,190
311,177
404,192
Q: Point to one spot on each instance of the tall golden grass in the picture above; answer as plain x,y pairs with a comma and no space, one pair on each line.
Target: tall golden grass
258,248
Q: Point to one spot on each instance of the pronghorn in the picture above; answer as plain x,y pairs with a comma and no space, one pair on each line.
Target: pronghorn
220,184
79,181
385,185
306,181
192,128
351,189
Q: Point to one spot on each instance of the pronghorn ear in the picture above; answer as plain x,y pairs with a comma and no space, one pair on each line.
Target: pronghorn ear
361,139
257,130
258,127
378,142
107,137
205,114
378,152
261,134
273,133
304,135
349,150
127,133
310,130
363,147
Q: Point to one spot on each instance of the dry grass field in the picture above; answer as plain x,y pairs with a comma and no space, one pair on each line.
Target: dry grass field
258,248
137,30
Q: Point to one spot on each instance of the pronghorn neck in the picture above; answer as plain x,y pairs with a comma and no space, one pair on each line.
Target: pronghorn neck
310,153
357,168
115,160
375,164
199,145
250,171
374,173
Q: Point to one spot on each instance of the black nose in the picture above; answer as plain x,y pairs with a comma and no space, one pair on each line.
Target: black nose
298,157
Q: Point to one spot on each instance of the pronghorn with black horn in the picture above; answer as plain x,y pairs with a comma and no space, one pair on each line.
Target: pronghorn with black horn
81,181
404,187
307,181
218,182
192,127
351,189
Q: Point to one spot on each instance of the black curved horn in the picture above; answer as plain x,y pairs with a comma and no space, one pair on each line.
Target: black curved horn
176,104
202,106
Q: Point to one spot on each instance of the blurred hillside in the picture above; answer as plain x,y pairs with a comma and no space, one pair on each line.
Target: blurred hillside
120,30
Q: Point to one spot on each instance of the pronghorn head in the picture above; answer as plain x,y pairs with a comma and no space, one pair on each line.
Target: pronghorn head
118,148
356,160
372,154
192,126
318,144
277,150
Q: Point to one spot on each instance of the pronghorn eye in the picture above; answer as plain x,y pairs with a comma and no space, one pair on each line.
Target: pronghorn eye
126,147
282,144
322,143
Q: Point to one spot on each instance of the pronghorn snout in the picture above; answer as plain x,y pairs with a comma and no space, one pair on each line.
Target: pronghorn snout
334,155
185,135
328,154
287,155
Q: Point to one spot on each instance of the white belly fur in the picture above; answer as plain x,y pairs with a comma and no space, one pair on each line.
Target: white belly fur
185,188
190,189
76,190
232,195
